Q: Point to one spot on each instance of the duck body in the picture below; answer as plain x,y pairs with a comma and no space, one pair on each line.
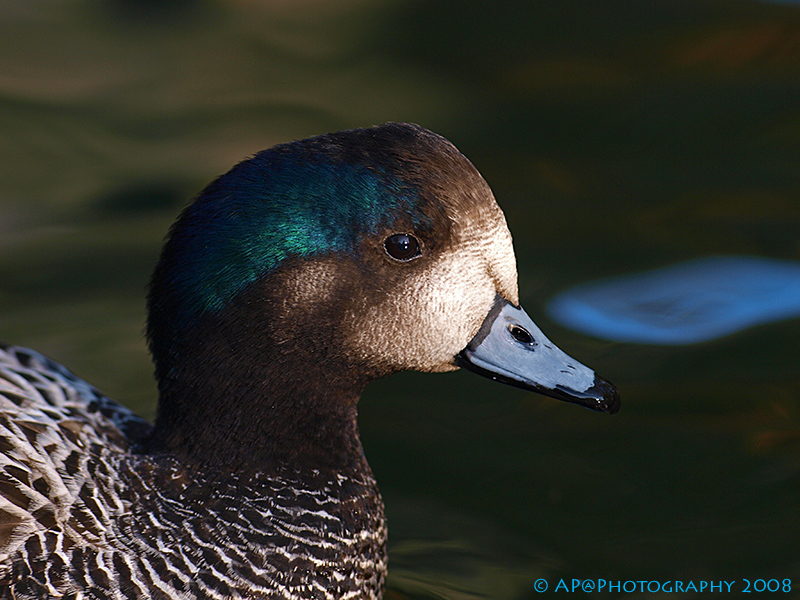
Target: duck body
87,515
289,284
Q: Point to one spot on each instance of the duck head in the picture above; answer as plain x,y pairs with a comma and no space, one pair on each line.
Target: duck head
319,265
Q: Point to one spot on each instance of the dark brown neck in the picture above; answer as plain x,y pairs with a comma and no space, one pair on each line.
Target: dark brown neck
248,431
242,396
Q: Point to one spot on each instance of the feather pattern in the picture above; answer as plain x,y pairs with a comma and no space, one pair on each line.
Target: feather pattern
81,516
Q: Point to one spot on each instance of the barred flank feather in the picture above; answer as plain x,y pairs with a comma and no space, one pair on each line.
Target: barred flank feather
81,516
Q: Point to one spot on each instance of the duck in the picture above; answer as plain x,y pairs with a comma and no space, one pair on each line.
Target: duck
292,281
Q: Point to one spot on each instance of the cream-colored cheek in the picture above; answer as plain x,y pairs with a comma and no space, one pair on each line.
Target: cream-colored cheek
458,302
423,326
502,263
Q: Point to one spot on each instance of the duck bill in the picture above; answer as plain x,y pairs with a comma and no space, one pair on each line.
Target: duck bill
510,348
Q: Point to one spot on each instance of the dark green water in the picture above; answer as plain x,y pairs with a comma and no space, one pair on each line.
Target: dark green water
617,136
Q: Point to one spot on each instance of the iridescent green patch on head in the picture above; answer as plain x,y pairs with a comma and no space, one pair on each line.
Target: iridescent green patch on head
295,200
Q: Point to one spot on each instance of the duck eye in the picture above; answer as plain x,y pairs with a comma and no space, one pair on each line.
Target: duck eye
402,246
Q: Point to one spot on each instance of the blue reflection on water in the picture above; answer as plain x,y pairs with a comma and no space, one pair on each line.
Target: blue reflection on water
691,302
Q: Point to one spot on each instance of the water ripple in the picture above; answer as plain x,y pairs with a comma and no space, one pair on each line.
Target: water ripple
691,302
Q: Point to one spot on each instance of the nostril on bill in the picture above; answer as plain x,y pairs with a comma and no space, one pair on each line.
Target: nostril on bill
521,335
